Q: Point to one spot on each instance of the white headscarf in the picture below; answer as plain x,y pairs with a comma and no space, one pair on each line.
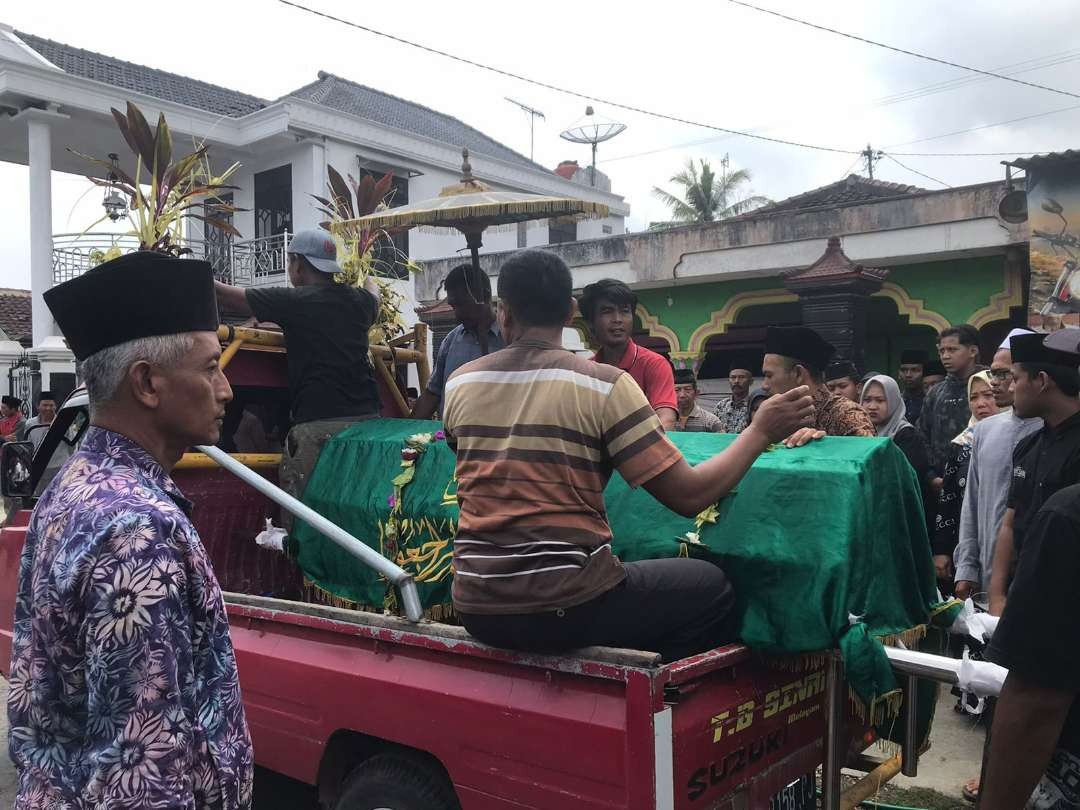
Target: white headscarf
897,420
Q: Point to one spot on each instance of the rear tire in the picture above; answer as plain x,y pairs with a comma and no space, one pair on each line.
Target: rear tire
397,781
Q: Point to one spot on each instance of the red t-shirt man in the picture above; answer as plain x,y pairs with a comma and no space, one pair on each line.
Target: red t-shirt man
608,307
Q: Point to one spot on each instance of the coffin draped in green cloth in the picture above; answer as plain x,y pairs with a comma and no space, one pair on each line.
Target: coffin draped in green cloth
825,544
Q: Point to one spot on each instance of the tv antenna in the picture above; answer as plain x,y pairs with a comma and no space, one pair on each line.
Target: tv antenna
592,129
533,115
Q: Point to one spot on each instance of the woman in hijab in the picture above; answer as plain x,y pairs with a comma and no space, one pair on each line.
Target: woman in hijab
946,532
885,406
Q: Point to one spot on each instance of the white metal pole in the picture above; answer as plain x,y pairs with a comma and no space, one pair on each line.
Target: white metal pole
367,555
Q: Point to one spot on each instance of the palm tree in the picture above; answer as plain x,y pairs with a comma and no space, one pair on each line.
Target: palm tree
705,197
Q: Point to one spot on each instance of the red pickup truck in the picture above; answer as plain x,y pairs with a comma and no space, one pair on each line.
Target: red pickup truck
381,712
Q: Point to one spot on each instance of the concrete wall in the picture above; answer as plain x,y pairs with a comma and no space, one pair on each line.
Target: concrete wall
925,227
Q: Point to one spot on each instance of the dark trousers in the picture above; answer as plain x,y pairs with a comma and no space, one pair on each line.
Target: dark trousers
675,607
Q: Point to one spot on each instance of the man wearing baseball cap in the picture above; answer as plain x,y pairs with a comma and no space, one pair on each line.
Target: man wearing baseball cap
326,333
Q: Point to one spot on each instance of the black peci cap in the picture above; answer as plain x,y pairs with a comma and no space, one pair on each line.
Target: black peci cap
913,357
841,369
1061,348
142,294
800,343
685,376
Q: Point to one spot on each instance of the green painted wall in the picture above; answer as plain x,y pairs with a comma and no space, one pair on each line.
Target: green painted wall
955,289
693,304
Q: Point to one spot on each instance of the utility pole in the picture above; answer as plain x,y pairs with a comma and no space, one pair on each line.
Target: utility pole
533,115
871,156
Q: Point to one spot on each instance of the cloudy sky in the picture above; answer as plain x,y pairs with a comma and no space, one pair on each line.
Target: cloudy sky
715,63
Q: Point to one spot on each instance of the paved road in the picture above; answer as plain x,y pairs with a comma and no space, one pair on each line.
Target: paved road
953,758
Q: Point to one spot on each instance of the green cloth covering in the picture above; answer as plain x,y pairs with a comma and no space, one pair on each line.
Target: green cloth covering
825,544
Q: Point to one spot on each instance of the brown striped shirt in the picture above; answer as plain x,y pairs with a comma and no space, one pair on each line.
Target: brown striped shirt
538,431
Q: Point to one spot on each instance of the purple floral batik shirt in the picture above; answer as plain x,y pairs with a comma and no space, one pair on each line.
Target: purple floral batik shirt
124,691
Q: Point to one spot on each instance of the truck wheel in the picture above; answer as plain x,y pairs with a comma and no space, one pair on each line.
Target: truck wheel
397,782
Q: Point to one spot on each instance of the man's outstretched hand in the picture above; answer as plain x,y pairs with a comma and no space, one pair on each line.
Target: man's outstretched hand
803,436
781,415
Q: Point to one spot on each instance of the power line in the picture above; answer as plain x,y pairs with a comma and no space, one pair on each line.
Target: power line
911,94
935,59
1026,66
1013,153
914,171
663,116
988,126
852,166
563,90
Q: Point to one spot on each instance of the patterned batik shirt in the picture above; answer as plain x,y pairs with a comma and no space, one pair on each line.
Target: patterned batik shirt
124,690
839,416
734,416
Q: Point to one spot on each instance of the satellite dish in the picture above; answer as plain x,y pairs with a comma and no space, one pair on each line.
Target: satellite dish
592,129
1013,206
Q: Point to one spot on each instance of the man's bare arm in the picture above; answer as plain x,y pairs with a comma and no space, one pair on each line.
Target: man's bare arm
425,406
668,418
689,490
232,299
1001,566
1027,723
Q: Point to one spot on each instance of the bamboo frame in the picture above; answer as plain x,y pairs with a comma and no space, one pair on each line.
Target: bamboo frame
265,337
391,384
230,352
256,461
420,344
870,784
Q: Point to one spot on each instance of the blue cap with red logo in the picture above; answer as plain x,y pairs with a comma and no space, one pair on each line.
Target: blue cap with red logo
317,246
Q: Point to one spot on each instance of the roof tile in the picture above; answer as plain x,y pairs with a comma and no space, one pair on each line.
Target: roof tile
328,91
852,190
389,110
142,79
15,316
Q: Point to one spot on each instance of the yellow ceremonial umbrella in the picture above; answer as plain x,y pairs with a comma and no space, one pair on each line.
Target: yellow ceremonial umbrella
471,207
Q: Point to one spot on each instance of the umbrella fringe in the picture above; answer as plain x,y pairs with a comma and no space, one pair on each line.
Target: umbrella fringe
452,217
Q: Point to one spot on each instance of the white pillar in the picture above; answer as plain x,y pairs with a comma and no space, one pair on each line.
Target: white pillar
40,143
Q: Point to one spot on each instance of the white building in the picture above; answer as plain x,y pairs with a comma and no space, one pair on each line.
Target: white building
54,97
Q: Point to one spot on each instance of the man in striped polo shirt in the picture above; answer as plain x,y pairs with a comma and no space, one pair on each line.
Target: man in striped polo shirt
538,432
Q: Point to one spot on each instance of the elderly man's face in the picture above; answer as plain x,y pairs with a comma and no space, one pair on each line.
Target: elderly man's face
740,380
686,397
194,394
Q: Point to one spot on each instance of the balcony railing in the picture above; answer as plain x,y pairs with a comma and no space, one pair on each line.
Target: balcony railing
246,263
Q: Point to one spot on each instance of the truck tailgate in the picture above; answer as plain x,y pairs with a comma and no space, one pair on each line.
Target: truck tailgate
738,725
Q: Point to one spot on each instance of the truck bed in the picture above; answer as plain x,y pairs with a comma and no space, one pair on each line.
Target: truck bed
596,728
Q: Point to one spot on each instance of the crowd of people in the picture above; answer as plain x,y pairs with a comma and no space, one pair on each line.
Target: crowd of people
116,587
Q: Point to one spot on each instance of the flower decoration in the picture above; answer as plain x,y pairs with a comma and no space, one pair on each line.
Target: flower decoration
709,515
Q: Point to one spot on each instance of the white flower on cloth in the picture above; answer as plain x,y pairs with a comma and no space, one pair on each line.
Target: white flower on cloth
124,607
133,760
